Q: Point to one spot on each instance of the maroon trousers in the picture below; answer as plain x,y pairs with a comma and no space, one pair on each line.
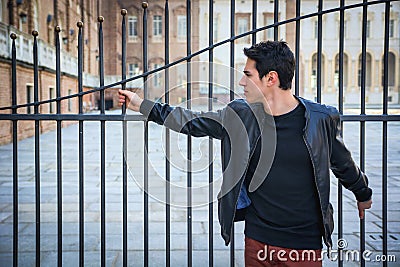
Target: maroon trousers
259,254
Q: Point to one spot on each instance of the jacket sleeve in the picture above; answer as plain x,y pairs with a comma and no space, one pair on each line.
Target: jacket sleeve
343,166
185,121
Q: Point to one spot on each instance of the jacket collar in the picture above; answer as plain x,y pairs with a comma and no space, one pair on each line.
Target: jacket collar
307,110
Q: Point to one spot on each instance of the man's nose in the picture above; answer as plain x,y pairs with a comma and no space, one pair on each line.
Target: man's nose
242,81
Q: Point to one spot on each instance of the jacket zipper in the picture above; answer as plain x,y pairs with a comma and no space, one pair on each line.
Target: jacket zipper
315,180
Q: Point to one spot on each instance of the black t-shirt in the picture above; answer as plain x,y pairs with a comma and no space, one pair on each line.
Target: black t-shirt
285,209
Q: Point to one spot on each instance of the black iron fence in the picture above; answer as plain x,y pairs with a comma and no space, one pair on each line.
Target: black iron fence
102,118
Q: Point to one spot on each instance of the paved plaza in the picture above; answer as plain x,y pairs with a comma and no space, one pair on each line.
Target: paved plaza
135,159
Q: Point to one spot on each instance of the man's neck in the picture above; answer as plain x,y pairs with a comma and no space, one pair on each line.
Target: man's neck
278,101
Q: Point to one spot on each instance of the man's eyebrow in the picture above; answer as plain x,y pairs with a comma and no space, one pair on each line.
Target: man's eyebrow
246,72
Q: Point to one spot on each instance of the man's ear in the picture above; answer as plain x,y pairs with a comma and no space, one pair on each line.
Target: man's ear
272,77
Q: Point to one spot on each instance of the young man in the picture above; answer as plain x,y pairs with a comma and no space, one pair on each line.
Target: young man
278,181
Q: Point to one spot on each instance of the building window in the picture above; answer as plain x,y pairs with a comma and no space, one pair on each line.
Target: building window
157,76
269,20
29,98
243,25
391,28
157,26
367,71
316,29
345,71
314,71
391,70
215,29
181,76
368,29
69,101
132,28
133,69
181,27
51,96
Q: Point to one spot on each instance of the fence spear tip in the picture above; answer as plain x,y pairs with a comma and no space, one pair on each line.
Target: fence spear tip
79,24
100,19
145,5
124,12
35,33
13,36
58,28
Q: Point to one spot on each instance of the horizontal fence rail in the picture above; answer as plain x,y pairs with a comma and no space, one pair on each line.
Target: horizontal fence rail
103,118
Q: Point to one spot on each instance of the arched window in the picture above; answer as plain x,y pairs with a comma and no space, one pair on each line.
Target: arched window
391,69
345,71
314,71
367,70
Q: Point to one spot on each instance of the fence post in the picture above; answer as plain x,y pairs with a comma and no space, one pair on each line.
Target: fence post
100,19
15,149
59,147
37,147
124,151
81,150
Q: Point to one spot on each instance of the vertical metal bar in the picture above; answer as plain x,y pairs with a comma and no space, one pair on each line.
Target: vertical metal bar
146,141
124,153
297,51
210,140
340,187
37,148
55,12
167,148
82,11
232,51
254,21
276,19
341,54
232,96
100,20
15,150
384,139
362,123
81,151
189,138
319,52
59,149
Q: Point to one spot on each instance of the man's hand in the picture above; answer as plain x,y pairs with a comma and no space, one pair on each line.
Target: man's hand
362,206
132,99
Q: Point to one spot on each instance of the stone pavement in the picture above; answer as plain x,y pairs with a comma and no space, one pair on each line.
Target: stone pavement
113,168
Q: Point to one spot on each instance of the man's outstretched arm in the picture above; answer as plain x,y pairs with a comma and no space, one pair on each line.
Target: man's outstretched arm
176,118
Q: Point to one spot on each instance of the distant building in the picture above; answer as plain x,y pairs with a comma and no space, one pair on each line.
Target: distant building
308,45
24,16
375,29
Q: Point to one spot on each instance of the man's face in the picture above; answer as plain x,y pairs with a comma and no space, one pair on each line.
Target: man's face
251,82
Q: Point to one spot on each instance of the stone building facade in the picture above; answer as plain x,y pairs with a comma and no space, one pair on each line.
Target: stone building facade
23,16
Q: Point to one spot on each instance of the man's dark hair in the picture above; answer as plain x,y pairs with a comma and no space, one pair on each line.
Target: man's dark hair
273,56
